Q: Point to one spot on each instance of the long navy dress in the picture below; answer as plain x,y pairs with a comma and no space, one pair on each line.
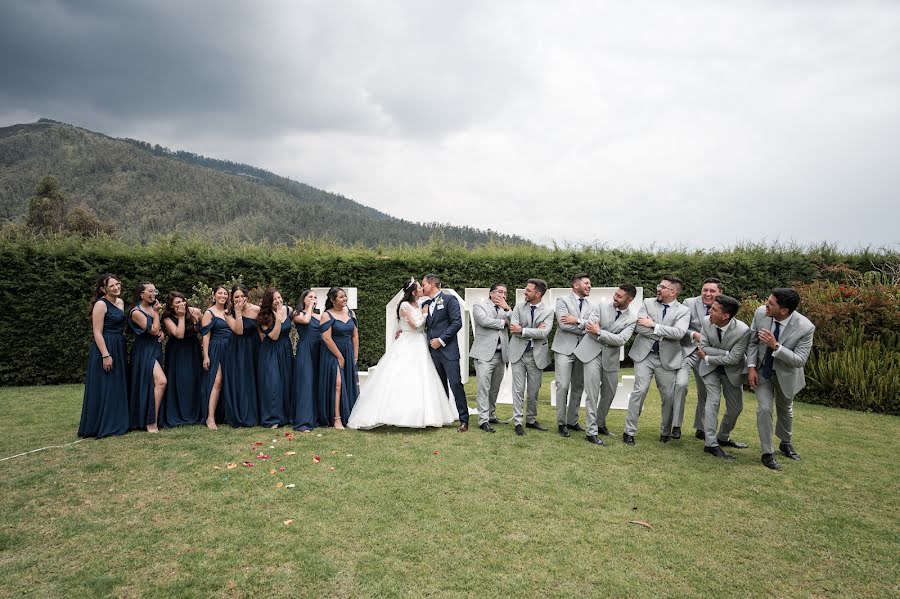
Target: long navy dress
342,335
181,404
273,375
104,411
305,389
219,337
146,352
239,395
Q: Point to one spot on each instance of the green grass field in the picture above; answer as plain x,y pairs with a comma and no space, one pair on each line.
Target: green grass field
440,514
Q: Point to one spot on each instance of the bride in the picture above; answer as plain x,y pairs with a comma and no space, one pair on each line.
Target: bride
405,389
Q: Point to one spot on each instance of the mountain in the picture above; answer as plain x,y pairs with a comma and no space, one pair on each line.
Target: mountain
148,190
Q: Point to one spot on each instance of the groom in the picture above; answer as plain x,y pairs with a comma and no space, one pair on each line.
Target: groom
443,323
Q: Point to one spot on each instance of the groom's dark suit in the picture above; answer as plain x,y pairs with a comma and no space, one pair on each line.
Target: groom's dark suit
444,322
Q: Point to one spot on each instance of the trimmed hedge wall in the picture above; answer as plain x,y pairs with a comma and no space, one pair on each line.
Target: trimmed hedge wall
45,284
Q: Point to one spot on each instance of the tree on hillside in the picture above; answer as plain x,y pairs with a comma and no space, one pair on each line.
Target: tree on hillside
49,211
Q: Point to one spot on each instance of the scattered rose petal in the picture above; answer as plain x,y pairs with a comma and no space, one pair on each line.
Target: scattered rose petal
643,523
230,466
216,468
290,453
319,435
290,436
280,469
331,468
271,447
261,456
316,459
290,486
288,522
436,452
274,440
349,455
279,484
272,471
248,464
333,452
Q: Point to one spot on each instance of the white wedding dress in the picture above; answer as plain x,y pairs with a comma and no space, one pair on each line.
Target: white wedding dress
405,389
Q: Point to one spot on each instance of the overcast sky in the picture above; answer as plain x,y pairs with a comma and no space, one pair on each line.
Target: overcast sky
669,123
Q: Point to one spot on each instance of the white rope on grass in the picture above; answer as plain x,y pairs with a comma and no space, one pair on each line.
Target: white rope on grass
18,455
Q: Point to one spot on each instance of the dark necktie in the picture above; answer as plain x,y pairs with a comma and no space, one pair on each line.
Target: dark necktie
719,331
528,347
769,361
618,314
580,304
656,343
707,310
497,313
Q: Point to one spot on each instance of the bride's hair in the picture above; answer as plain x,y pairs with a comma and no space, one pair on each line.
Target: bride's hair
409,294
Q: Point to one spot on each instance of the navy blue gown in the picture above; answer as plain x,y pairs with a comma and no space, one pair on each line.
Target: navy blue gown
219,337
239,395
342,335
146,352
273,375
181,404
305,389
104,411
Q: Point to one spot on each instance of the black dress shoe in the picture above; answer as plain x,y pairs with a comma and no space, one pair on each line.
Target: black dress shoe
730,443
664,438
628,439
676,432
768,461
463,428
486,427
575,427
594,439
563,430
520,431
700,435
604,431
493,421
788,450
718,452
535,425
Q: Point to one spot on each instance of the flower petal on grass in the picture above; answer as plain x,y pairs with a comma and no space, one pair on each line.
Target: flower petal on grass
279,484
248,464
231,466
316,459
281,469
290,453
290,486
333,452
643,523
436,452
288,522
272,471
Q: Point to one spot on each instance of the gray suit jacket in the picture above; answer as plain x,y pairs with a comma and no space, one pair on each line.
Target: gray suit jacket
698,314
796,340
521,315
614,333
671,330
728,353
568,335
490,326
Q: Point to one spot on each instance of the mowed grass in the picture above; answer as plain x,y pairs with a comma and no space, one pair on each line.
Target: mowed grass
435,513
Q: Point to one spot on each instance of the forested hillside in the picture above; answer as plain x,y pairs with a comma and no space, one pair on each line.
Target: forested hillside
147,190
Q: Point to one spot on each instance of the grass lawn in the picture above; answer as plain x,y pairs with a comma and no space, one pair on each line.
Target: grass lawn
440,514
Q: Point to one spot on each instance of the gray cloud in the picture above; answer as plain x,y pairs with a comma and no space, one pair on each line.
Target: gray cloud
701,123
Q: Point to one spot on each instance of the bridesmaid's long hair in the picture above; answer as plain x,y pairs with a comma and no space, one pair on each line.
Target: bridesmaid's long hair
234,290
409,294
329,302
300,305
100,289
266,318
190,325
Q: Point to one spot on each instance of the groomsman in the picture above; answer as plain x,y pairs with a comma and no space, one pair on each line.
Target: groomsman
699,307
608,328
571,312
657,354
723,346
780,341
529,326
490,351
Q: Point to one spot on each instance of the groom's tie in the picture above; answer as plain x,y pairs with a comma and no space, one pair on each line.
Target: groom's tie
428,303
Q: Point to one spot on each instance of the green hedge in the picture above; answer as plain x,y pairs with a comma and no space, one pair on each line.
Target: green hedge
45,283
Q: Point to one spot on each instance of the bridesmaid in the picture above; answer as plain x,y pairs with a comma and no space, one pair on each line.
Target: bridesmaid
182,362
338,377
104,411
239,385
147,383
305,388
216,335
273,373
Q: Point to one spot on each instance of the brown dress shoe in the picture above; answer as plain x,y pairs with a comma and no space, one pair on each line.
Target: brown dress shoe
463,428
